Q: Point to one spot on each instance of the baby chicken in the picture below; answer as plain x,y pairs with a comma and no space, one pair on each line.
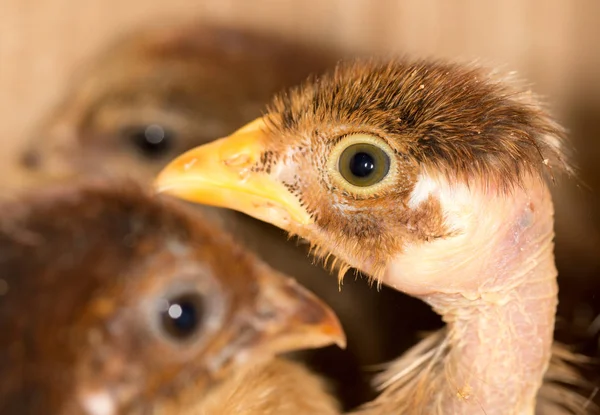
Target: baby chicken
427,176
116,302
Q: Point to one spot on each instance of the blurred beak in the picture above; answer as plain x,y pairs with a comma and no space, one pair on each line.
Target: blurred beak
290,317
221,174
282,318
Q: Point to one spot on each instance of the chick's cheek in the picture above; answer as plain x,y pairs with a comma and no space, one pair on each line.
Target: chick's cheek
481,249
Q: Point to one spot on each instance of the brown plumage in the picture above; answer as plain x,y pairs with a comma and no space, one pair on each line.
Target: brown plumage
428,176
165,89
116,302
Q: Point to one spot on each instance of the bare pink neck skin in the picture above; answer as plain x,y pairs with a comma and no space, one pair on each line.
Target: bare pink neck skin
495,286
500,348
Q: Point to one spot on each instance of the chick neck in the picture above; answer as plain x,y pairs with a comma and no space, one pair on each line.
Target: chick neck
495,286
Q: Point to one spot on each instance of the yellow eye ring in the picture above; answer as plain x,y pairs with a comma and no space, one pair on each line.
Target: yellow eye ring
362,164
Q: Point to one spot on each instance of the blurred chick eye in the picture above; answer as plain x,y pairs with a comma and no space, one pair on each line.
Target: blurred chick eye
362,163
182,316
152,141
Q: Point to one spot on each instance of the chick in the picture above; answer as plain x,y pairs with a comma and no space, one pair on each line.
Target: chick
163,90
116,302
427,176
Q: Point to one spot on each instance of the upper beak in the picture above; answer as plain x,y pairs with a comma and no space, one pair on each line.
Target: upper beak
222,173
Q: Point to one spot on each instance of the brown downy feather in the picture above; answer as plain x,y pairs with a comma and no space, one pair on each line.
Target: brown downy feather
436,107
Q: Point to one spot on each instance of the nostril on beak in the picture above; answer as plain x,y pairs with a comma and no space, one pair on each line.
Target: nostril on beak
31,159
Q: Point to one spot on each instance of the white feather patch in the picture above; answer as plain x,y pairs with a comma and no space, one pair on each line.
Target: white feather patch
99,403
424,187
456,201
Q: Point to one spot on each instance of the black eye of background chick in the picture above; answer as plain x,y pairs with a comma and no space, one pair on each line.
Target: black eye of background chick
152,141
182,318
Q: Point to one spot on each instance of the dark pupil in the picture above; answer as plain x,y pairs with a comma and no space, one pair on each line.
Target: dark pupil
182,317
362,164
152,140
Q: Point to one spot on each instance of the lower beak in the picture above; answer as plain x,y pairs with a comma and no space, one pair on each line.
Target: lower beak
224,173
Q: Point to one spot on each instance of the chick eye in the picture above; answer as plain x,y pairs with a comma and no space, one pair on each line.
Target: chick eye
152,141
182,316
364,164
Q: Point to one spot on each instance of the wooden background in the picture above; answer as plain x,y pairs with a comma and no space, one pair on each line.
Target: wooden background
553,43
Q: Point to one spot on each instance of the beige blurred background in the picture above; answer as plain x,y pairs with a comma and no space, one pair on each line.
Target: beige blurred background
552,43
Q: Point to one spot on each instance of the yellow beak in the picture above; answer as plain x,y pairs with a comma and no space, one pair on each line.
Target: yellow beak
221,174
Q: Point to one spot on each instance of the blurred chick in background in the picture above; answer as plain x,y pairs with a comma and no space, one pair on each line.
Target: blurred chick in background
114,302
163,90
